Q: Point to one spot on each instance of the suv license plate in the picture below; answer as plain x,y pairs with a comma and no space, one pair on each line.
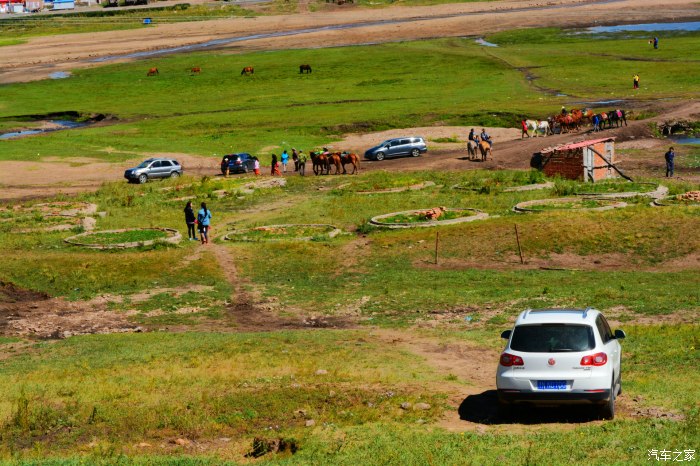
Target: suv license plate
551,385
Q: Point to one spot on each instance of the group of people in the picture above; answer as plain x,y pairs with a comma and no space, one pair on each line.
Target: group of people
202,219
299,158
484,136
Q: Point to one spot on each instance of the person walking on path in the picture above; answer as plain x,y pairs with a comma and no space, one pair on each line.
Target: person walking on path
525,131
635,81
302,163
669,156
190,221
275,166
256,166
204,219
285,160
295,159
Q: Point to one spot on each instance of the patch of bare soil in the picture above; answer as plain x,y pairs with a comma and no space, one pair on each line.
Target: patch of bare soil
564,261
35,315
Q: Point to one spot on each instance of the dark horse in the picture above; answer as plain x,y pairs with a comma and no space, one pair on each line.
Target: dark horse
346,158
320,163
617,117
247,70
304,68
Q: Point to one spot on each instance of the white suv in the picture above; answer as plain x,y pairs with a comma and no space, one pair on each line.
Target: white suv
558,356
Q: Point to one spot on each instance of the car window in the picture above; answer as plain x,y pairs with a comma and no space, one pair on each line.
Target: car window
552,338
405,141
144,164
604,329
395,143
156,164
165,163
175,162
416,140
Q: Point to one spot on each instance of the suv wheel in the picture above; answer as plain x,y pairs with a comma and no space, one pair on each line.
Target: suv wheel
415,152
143,179
607,411
174,175
379,156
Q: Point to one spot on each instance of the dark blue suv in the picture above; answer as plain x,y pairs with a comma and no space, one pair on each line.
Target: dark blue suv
237,163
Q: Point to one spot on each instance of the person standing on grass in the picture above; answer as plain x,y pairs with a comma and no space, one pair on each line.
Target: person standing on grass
256,166
285,159
204,219
635,81
302,163
190,221
656,42
669,156
275,166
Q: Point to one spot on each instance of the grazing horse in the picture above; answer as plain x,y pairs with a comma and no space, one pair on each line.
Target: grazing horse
320,163
247,70
304,68
195,70
472,147
152,72
538,126
485,148
354,159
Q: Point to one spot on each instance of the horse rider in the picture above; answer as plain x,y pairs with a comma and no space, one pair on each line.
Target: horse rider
485,137
563,110
471,135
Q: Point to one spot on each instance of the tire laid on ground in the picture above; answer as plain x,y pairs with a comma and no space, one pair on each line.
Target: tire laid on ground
143,179
415,152
174,175
379,157
607,411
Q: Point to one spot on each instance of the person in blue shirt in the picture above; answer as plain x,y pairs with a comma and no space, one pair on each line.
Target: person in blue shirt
284,158
485,137
669,156
204,219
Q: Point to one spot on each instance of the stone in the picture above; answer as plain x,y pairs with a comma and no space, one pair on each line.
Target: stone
310,423
182,442
422,406
321,372
406,405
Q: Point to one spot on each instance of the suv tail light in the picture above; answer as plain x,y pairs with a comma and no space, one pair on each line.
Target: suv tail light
508,360
598,359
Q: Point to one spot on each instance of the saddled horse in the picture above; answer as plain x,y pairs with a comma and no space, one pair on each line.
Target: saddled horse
484,148
334,159
152,72
195,70
538,126
304,69
617,117
472,148
354,159
247,70
320,163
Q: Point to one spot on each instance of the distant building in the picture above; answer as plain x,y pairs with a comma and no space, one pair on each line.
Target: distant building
591,160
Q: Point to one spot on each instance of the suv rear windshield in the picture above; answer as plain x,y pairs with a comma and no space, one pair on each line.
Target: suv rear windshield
552,338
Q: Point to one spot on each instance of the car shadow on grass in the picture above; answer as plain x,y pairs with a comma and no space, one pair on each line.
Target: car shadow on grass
483,409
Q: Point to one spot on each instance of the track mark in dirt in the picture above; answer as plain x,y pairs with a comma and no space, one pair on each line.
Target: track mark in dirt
250,316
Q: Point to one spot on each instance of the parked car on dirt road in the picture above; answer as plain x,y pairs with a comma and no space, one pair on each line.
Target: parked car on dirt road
397,147
237,163
153,168
561,356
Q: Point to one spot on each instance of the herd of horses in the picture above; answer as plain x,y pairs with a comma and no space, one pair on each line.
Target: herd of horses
323,161
474,148
575,119
247,70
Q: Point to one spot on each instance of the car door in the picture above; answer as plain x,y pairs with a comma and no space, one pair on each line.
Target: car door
166,168
394,148
156,170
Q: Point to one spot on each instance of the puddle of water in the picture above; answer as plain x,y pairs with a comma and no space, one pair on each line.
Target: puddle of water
481,41
647,27
686,138
60,75
59,125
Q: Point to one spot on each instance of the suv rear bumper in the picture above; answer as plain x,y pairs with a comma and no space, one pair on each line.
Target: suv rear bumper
514,396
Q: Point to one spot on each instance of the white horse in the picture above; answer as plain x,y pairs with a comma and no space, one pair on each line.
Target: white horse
538,126
472,147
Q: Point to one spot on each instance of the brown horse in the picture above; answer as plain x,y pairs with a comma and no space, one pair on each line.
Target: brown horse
335,160
304,68
152,72
354,159
195,70
320,163
484,148
247,70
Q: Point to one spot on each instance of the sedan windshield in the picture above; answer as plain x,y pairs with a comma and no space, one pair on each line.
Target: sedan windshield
145,163
552,338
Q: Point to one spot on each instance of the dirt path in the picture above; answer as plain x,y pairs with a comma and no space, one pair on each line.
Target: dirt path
43,55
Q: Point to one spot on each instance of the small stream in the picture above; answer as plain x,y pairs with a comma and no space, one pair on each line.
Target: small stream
56,125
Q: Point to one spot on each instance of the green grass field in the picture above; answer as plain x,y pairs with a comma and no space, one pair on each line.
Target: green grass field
193,391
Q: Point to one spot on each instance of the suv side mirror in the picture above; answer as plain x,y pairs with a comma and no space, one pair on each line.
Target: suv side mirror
506,334
620,334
